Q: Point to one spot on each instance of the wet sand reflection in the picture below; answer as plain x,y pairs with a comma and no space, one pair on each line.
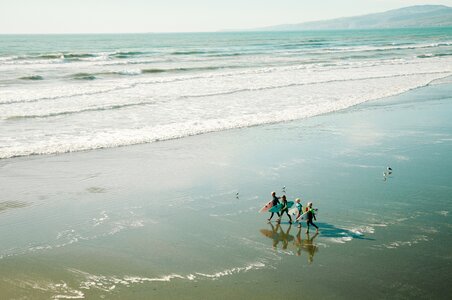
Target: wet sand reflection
301,243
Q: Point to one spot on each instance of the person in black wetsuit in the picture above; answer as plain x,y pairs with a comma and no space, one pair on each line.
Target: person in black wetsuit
310,216
275,202
285,208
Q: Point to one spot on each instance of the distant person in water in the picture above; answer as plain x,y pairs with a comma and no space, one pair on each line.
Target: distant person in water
275,202
310,216
299,208
285,208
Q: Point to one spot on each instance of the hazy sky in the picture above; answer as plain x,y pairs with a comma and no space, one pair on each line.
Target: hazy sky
95,16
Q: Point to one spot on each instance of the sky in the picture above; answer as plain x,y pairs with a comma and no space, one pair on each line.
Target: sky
121,16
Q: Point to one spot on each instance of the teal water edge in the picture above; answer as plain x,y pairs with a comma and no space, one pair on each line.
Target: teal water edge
67,93
179,219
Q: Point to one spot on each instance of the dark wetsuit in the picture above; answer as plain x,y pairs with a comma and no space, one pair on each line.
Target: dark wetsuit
285,209
309,217
275,202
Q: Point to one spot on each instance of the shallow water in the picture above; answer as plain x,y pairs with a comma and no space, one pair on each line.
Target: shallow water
165,221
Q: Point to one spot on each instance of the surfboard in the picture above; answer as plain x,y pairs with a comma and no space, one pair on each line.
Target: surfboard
269,233
293,212
278,207
266,206
304,216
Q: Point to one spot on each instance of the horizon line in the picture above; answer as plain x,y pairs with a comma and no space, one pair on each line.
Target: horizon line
219,31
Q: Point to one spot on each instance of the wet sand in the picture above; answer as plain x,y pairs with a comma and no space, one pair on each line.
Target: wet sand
164,220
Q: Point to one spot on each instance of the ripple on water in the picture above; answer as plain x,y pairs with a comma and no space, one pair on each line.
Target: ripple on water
7,205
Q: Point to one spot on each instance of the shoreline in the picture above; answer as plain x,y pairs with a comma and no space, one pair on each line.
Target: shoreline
446,78
115,222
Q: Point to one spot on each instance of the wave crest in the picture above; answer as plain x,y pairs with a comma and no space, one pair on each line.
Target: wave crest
32,77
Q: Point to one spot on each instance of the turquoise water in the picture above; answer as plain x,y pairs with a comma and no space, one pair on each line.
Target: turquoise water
219,43
68,93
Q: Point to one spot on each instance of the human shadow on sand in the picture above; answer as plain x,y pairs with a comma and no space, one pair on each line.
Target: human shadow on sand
331,231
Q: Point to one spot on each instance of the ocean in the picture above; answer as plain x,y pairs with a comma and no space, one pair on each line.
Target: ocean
178,219
65,93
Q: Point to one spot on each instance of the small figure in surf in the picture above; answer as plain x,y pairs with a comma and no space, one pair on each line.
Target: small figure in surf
285,209
300,210
310,216
275,202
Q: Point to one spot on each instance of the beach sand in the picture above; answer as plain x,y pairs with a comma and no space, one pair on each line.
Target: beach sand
164,220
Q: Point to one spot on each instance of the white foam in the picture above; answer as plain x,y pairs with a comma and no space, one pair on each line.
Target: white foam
396,244
118,112
108,283
93,229
389,47
130,72
60,290
341,240
444,213
361,230
101,219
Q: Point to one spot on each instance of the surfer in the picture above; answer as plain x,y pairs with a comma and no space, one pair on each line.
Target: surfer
300,210
310,216
285,208
275,202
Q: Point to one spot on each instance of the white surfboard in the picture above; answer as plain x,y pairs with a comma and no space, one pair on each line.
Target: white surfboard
304,216
293,212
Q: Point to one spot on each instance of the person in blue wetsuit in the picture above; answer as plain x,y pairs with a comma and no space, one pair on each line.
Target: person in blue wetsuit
310,216
275,202
300,210
285,209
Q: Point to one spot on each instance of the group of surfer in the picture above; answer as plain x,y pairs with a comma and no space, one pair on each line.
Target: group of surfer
310,212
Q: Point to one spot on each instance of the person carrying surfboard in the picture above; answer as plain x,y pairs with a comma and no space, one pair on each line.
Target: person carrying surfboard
300,210
310,215
285,209
275,202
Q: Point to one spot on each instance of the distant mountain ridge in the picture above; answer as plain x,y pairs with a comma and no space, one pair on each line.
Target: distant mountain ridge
407,17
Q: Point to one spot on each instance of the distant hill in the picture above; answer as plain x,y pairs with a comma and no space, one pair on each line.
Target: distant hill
408,17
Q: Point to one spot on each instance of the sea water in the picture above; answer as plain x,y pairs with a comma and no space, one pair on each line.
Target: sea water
64,93
179,219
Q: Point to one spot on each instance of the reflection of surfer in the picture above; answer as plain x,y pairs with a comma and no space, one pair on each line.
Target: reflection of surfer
285,237
306,245
278,235
275,202
275,235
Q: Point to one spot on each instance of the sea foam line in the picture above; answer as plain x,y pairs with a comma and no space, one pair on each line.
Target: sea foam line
120,85
153,133
215,94
108,283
